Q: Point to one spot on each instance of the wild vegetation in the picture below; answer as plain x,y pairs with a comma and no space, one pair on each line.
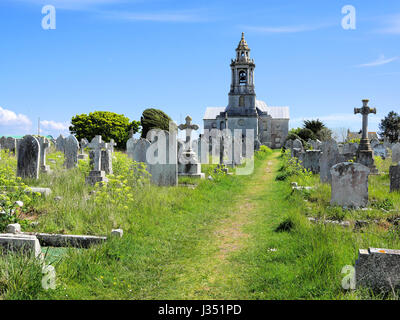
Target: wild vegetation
233,237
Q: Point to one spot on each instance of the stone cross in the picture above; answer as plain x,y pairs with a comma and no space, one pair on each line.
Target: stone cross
111,145
84,144
365,111
96,145
44,145
189,127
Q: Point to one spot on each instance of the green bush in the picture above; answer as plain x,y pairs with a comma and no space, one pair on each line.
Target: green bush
154,119
109,125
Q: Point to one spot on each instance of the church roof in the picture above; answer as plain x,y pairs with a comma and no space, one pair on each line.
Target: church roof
274,112
212,113
243,44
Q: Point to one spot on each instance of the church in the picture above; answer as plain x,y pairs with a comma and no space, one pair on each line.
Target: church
244,111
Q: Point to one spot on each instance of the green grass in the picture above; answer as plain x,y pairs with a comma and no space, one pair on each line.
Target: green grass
236,237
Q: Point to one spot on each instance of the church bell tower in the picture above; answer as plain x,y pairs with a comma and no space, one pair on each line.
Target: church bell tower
242,96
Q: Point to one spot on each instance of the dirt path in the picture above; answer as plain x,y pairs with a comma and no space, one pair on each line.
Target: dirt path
212,275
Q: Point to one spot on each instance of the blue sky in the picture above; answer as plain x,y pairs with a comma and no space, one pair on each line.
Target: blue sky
125,56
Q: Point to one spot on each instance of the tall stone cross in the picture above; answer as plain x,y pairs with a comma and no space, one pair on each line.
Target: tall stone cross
365,111
189,127
44,145
96,145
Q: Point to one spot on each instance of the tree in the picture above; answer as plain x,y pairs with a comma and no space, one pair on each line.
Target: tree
306,134
325,134
154,119
314,125
109,125
390,127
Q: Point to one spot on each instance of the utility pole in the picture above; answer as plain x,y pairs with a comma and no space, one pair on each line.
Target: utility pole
38,126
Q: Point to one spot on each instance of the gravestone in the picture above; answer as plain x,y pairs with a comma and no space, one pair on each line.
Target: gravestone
106,160
111,145
289,144
329,157
137,149
349,185
316,144
298,153
374,142
44,147
8,143
380,150
71,149
378,270
83,145
96,175
188,164
297,144
161,158
394,173
311,160
365,154
28,158
396,153
350,148
60,143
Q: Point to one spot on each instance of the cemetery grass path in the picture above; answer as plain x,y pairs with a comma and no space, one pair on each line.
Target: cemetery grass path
215,272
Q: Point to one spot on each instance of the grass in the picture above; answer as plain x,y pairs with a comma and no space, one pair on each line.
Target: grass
233,237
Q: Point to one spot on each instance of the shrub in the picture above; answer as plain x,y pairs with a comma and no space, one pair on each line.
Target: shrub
154,119
109,125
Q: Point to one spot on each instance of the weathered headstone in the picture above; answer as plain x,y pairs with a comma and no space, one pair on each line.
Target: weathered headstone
396,153
44,146
106,161
96,175
394,173
137,149
28,244
71,149
311,160
8,143
378,270
28,158
161,158
297,144
350,148
316,144
60,143
349,185
329,157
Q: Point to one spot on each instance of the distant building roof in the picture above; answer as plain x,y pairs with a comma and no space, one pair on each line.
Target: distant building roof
275,112
358,135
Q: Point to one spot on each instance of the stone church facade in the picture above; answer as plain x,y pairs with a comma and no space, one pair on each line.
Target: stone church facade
244,111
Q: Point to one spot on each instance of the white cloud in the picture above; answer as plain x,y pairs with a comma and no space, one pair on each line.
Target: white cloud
10,118
54,126
283,29
392,25
378,62
176,16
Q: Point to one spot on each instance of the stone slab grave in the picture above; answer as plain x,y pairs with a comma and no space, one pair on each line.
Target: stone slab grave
349,186
44,147
396,153
71,149
394,174
378,269
28,158
137,149
329,157
28,244
188,164
161,158
311,160
96,175
60,143
8,143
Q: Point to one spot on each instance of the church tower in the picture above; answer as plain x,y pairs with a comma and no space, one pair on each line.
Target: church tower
242,96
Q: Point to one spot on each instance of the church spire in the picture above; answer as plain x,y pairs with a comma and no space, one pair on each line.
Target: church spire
243,44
